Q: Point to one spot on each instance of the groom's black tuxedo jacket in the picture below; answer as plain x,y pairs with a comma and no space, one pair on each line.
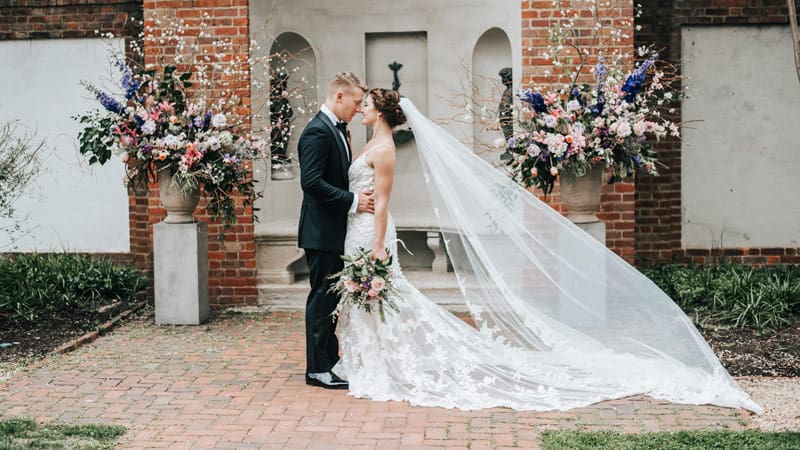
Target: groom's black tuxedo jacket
323,177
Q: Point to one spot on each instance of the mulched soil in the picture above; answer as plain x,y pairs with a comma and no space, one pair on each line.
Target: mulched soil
33,340
752,352
743,352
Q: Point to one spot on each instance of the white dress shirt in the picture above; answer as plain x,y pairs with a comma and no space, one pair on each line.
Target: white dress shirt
324,109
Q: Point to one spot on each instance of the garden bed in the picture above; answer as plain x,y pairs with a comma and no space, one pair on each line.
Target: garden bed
32,340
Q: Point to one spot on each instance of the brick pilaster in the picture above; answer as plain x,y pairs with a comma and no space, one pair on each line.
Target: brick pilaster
617,201
232,268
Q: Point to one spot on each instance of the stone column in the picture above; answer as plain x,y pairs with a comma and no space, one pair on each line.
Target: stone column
180,275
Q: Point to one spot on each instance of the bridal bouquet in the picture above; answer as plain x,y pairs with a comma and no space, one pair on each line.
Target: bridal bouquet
155,125
365,283
605,123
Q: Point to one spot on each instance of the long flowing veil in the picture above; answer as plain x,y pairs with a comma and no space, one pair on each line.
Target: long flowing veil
537,282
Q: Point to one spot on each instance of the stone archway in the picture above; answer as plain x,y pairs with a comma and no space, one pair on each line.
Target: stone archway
492,53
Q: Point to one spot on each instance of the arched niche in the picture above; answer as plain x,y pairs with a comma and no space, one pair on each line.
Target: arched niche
492,53
293,78
279,209
291,54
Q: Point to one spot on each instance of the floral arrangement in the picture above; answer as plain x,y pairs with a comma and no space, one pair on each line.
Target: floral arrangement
180,113
606,123
155,126
365,283
598,108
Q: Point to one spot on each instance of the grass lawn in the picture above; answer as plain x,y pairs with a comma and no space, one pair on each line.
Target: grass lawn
680,440
22,433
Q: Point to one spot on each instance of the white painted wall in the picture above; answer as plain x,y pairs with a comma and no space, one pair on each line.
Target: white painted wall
740,165
338,33
70,206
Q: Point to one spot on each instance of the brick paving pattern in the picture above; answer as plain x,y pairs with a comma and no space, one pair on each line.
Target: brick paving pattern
238,382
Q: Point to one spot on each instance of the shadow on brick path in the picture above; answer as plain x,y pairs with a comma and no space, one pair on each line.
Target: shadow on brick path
238,382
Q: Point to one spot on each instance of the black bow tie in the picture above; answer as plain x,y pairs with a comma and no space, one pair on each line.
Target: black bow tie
342,126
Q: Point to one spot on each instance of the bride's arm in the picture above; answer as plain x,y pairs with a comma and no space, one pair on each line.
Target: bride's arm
383,163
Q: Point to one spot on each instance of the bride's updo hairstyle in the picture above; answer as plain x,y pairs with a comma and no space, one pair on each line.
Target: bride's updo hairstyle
387,102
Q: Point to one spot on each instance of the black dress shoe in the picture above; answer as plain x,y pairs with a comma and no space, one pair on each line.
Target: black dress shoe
327,380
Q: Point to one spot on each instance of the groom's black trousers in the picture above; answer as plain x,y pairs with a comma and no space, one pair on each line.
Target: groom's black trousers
322,346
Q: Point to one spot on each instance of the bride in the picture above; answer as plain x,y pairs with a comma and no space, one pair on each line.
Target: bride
562,322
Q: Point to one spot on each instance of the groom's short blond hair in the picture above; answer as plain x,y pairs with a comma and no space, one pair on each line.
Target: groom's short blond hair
345,81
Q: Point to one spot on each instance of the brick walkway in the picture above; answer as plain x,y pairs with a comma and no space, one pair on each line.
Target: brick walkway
238,383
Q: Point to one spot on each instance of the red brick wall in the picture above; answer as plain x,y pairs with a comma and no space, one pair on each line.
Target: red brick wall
751,256
617,202
232,262
54,19
658,199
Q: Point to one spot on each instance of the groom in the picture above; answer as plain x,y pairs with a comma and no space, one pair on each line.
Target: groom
325,155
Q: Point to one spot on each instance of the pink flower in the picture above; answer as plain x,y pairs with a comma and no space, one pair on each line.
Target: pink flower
125,140
166,106
373,292
378,283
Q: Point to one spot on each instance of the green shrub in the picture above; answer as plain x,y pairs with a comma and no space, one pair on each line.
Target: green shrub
35,286
743,296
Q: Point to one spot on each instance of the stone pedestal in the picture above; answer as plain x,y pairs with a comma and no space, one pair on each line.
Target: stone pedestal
588,307
596,229
180,273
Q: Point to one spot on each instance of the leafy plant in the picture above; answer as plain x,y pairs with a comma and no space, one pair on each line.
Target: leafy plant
35,286
742,296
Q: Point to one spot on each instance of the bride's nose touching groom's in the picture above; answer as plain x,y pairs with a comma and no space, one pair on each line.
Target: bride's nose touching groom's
325,152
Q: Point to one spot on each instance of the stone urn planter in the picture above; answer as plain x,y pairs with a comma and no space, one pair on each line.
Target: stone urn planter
179,207
582,198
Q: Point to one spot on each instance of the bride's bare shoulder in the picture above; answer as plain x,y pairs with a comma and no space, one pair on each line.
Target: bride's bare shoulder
381,150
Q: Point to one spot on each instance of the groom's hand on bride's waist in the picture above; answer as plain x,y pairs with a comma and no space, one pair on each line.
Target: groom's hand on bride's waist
366,202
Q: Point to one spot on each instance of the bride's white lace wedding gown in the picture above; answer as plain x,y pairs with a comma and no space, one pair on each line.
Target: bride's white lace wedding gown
425,355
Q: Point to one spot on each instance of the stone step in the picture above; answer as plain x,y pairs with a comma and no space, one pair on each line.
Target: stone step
442,288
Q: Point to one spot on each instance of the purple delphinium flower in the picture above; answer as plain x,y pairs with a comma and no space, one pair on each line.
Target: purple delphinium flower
597,108
601,71
576,94
535,99
110,103
635,80
207,121
198,122
147,148
127,82
512,142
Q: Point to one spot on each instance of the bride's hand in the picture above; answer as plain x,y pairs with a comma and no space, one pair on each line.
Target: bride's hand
379,253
